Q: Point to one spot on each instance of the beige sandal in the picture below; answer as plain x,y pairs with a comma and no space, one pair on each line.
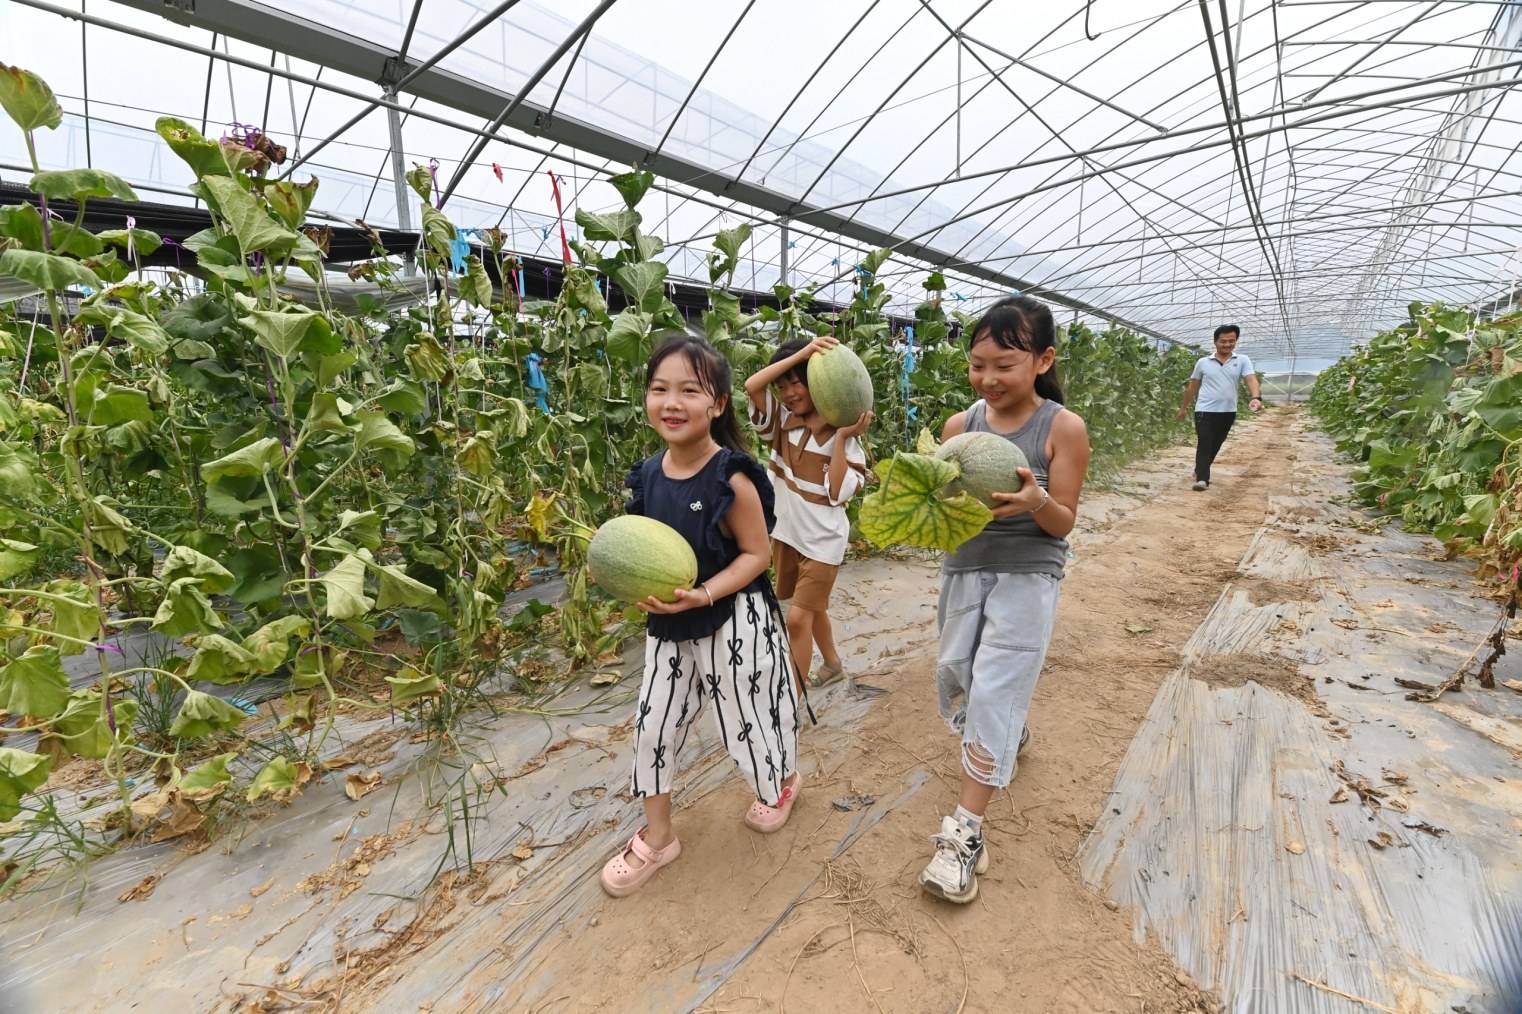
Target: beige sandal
620,877
766,819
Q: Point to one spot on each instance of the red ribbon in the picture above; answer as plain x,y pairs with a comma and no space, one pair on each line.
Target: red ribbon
498,170
565,247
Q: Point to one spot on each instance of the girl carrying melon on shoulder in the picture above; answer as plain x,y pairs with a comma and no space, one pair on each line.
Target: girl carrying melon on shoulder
998,597
720,644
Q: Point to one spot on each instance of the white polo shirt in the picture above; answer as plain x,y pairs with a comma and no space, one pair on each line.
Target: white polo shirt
1219,382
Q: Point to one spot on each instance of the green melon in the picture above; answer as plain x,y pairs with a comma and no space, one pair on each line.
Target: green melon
988,463
840,385
633,557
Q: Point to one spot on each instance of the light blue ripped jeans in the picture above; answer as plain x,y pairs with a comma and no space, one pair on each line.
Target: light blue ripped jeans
995,629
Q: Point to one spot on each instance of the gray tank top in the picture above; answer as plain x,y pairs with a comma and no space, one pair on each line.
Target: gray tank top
1015,545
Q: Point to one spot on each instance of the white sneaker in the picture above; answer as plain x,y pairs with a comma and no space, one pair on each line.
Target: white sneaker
959,857
1201,485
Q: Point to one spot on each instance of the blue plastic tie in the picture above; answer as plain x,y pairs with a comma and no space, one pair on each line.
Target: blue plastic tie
459,249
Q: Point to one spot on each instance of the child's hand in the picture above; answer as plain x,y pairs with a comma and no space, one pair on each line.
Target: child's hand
1027,499
686,598
823,343
857,428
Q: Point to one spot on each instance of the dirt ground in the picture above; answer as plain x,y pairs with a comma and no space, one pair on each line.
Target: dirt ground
860,935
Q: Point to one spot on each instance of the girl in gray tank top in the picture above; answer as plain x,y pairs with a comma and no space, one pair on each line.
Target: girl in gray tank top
1015,545
998,600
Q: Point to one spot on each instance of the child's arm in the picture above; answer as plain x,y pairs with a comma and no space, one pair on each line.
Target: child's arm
1055,509
956,424
747,522
848,464
757,383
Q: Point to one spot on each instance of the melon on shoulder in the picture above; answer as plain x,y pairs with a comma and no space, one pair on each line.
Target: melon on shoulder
840,385
633,557
987,462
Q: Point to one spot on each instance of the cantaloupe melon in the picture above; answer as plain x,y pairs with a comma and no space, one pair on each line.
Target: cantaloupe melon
633,557
988,463
840,385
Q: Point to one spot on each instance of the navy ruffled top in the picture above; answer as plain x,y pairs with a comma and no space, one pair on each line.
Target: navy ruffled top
694,507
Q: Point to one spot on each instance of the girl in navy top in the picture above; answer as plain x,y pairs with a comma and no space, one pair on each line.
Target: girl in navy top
722,642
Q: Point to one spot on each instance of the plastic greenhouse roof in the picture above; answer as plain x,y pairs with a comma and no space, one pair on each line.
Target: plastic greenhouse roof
1302,167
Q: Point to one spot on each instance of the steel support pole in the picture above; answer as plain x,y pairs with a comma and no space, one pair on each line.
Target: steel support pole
399,174
786,278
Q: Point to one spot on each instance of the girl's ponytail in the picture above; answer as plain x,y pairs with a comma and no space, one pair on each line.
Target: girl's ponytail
713,369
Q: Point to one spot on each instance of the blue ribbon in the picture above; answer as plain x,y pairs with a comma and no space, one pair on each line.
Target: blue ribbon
536,381
459,249
911,411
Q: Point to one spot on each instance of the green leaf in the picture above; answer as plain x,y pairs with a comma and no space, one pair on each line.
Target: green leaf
280,779
199,318
345,587
411,684
404,397
202,155
22,223
219,660
427,359
648,247
16,558
108,529
20,772
364,527
907,508
633,186
35,684
85,731
73,184
250,461
144,241
16,476
479,455
617,226
115,404
291,200
30,102
876,260
280,333
76,242
186,610
204,715
936,282
186,562
47,271
209,780
76,617
271,644
420,627
421,181
326,414
438,231
475,285
927,443
377,434
398,589
729,241
252,225
142,333
645,283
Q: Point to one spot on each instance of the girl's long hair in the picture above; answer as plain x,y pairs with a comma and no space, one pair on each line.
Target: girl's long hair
1020,322
716,376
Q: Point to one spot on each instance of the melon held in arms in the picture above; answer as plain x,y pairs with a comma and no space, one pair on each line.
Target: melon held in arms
840,385
633,557
987,462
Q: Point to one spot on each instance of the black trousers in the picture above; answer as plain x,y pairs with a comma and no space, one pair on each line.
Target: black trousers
1210,429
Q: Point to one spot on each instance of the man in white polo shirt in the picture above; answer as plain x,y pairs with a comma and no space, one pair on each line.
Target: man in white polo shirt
1215,380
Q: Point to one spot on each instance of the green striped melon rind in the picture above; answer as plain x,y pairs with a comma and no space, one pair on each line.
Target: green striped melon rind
840,385
986,462
633,557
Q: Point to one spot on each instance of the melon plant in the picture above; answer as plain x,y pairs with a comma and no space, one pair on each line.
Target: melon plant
840,385
986,464
633,557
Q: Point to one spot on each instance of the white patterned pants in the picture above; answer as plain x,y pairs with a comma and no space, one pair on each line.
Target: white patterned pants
744,671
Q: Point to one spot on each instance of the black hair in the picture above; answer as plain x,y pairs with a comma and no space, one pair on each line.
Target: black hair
717,378
1227,327
800,372
1020,322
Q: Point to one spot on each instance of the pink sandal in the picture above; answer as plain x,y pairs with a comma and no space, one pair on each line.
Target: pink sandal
619,878
767,819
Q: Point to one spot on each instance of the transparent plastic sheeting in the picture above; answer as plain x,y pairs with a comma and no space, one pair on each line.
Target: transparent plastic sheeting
1303,167
1221,836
